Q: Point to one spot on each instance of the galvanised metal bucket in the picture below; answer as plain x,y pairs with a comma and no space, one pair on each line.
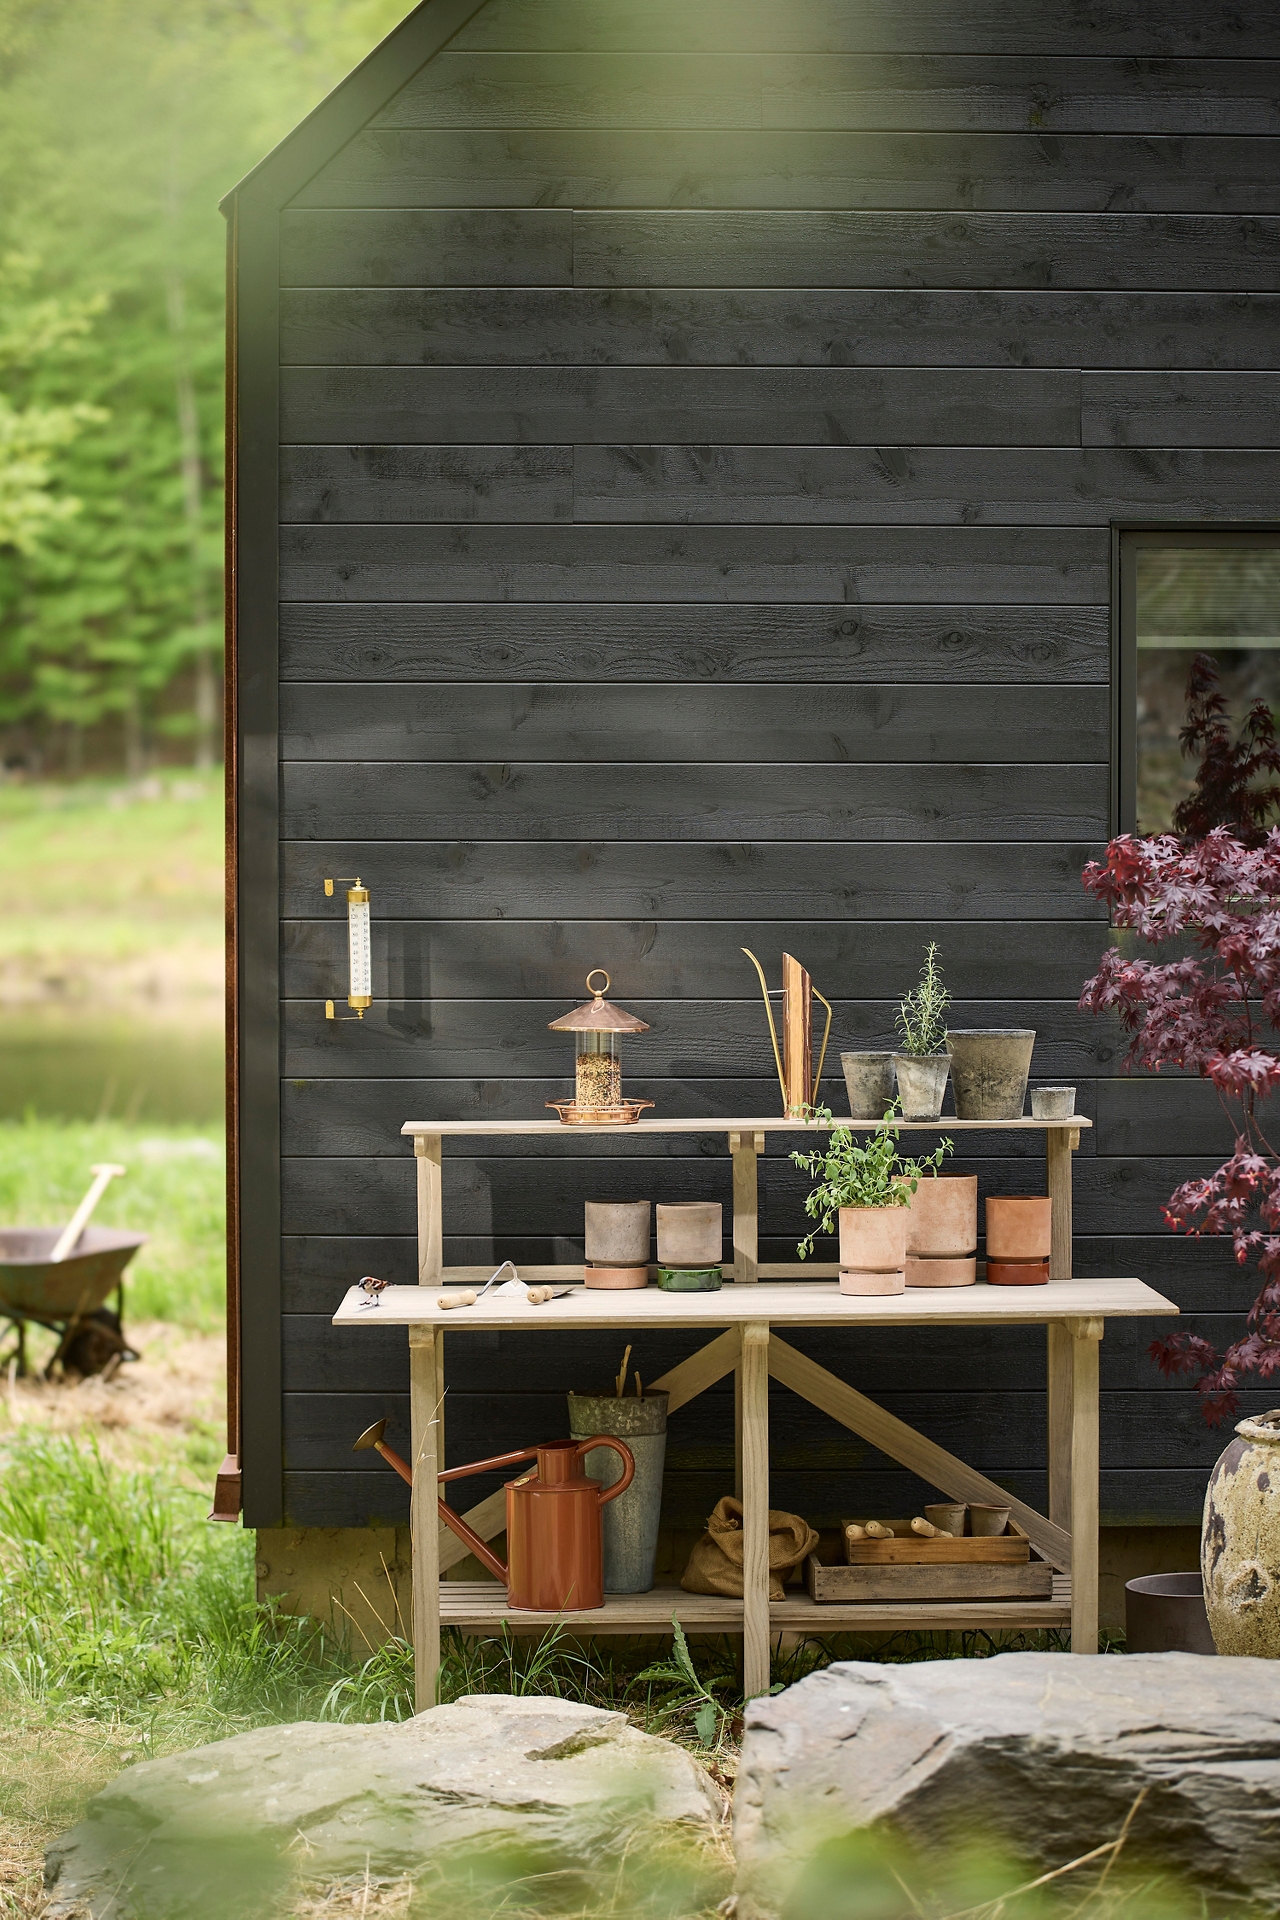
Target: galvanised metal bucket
631,1521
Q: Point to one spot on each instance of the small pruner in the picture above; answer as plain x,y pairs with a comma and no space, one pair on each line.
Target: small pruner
372,1289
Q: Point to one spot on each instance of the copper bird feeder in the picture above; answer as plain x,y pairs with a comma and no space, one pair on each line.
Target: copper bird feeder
597,1080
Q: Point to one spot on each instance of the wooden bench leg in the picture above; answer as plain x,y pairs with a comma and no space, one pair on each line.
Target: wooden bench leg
754,1378
1085,1338
423,1410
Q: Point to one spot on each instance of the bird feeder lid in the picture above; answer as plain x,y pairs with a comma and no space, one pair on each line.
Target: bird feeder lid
598,1015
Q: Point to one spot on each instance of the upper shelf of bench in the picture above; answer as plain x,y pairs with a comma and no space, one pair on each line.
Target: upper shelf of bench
947,1123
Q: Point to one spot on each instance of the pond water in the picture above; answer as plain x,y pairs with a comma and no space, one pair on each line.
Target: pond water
76,1065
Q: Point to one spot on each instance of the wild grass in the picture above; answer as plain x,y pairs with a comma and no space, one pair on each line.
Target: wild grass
175,1191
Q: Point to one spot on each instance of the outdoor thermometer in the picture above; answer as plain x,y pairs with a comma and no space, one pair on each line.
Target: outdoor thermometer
359,949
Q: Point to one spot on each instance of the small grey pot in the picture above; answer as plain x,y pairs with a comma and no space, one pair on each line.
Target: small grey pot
922,1081
618,1232
1053,1103
869,1078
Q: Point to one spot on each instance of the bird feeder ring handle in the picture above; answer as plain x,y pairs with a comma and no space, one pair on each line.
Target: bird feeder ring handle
599,992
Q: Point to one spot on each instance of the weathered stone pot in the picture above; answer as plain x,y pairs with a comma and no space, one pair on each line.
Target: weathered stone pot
690,1233
1052,1103
922,1081
1240,1542
870,1082
630,1521
989,1069
617,1232
873,1250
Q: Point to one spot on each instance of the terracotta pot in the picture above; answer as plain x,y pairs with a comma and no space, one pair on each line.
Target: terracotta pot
1017,1273
1019,1229
873,1239
987,1522
614,1277
922,1081
617,1232
989,1068
690,1233
869,1080
943,1215
937,1272
873,1283
1240,1542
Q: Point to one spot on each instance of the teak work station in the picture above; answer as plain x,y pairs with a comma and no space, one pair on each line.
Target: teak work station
747,1323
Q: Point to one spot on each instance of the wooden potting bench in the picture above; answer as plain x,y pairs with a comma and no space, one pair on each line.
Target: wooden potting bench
750,1314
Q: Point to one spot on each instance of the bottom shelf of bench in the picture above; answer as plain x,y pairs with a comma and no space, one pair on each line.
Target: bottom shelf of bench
480,1606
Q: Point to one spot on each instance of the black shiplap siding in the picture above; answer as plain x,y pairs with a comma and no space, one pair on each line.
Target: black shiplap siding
703,430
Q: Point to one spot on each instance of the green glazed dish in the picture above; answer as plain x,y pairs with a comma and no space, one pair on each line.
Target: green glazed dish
689,1279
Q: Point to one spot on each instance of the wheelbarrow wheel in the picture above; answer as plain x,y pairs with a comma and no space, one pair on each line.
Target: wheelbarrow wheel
97,1341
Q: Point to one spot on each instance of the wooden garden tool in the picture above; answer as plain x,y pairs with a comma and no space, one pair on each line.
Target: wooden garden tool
102,1177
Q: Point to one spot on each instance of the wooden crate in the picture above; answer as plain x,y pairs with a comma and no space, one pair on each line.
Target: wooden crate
1008,1549
1028,1580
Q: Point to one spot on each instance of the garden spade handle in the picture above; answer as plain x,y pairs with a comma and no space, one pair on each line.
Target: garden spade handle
102,1177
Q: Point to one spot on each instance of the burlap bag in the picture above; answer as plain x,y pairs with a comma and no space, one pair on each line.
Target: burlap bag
715,1565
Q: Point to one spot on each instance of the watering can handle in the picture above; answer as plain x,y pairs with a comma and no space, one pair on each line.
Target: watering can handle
625,1455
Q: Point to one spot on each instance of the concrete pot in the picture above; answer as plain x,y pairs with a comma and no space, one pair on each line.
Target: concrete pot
1019,1229
989,1068
630,1521
1240,1542
690,1233
1165,1613
936,1272
985,1523
950,1515
873,1249
1053,1103
943,1215
617,1232
869,1079
922,1081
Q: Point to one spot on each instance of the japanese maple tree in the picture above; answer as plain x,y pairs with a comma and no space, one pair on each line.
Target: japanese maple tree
1209,895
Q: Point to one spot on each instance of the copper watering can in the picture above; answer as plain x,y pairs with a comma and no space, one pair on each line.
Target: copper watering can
554,1532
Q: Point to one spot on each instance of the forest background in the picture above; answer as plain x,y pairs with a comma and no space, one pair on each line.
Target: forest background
122,124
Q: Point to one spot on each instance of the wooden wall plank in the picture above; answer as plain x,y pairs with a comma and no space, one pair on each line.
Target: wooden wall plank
1181,410
368,326
468,247
426,483
778,880
1164,1116
955,93
791,406
607,725
537,804
1090,28
856,961
1132,250
754,642
1061,566
641,167
930,485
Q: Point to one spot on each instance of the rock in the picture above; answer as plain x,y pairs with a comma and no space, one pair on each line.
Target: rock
1043,1752
521,1784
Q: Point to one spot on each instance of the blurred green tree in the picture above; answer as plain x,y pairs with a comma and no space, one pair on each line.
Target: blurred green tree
122,123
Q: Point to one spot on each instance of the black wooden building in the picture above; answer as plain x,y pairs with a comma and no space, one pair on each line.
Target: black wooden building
687,459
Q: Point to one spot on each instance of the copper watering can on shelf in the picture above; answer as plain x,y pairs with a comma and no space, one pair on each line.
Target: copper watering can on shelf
554,1531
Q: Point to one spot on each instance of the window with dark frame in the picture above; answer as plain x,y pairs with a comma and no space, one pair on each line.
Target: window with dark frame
1185,591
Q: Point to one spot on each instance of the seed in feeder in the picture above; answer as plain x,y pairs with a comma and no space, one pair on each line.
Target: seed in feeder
599,1080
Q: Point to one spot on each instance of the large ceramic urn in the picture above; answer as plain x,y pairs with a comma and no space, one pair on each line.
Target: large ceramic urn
1240,1543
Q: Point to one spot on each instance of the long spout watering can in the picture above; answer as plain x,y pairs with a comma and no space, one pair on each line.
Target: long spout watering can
554,1531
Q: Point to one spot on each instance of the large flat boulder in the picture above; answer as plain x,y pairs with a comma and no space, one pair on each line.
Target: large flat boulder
1044,1752
499,1785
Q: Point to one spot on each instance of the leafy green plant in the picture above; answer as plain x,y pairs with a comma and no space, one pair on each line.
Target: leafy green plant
858,1173
922,1014
684,1690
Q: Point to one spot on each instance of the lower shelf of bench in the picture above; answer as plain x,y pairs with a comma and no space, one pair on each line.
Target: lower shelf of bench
479,1606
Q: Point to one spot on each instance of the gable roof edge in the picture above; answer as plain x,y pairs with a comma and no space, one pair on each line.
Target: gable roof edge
283,172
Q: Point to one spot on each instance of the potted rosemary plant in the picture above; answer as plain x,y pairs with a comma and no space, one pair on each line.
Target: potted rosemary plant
923,1064
865,1183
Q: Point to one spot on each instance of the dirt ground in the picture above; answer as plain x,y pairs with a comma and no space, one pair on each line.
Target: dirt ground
170,1402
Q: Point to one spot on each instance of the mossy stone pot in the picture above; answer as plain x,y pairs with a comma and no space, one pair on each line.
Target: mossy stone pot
922,1081
1240,1542
630,1521
869,1079
989,1071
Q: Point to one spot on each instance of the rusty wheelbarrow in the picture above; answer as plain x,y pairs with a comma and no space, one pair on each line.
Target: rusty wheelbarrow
69,1295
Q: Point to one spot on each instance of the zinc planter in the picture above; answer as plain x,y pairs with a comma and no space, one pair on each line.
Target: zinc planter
873,1250
1240,1542
989,1069
870,1083
630,1521
922,1081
